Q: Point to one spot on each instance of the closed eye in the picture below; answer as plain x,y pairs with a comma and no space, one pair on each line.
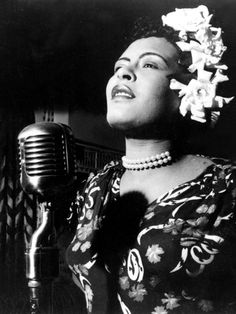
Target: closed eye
150,65
116,69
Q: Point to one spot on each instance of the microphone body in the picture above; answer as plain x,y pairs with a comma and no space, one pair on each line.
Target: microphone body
47,158
47,166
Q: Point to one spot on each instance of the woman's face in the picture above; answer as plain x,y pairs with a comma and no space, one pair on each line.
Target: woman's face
138,93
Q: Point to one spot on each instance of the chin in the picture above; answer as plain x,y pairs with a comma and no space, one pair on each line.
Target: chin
118,123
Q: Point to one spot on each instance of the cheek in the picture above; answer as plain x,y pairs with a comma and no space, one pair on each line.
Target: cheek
109,88
156,97
159,87
162,104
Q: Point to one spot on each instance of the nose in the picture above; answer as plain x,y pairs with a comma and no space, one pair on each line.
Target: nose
126,73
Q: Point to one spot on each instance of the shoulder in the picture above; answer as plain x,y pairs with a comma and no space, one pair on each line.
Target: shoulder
95,181
225,169
222,174
96,186
202,163
224,166
198,162
100,180
217,172
110,169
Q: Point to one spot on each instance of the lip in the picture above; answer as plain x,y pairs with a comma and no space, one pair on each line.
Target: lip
122,91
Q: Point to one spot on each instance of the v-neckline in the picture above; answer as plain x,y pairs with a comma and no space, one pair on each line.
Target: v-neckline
164,195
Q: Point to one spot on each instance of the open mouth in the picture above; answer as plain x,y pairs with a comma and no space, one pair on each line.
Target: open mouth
122,91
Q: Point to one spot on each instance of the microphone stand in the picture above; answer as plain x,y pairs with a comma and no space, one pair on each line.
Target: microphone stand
42,259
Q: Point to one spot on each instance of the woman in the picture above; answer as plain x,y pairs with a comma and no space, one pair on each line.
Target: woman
157,231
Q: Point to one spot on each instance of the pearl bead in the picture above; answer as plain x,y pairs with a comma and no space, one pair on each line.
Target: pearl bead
147,163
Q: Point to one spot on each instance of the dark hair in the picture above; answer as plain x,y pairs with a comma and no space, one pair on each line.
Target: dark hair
146,26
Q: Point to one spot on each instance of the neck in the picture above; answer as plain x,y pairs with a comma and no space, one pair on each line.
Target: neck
136,148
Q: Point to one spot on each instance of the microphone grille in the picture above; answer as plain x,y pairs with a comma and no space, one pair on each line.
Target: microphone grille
45,155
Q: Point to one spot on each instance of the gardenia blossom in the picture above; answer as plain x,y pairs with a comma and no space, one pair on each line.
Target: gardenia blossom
188,20
205,44
199,95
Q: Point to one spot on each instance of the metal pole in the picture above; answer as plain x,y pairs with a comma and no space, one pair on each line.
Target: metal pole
42,261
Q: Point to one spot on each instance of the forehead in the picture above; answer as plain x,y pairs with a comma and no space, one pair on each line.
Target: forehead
152,44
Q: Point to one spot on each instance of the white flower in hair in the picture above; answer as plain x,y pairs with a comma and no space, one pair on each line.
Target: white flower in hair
211,44
200,95
187,20
206,46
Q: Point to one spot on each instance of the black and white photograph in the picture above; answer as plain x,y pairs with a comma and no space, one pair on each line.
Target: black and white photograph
117,157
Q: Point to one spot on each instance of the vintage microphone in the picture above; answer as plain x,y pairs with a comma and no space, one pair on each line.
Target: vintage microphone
47,167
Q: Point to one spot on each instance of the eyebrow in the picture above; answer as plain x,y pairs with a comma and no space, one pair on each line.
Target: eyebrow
144,55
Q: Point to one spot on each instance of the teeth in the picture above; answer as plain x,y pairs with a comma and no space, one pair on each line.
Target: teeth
123,94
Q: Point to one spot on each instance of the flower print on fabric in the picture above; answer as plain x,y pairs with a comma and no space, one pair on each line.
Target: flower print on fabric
124,282
76,246
85,231
137,292
159,310
206,305
85,246
185,235
198,247
203,209
89,214
81,272
154,252
170,301
154,281
89,297
174,226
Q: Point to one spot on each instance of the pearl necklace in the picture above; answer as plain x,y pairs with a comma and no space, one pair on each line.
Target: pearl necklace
147,163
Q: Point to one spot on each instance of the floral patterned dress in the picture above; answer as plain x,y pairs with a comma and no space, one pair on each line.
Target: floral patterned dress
178,256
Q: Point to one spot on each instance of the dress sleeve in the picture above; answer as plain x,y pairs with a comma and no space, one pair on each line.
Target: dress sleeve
78,202
218,281
81,257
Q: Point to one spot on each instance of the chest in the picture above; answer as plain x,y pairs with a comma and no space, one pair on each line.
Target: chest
155,183
150,189
152,186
